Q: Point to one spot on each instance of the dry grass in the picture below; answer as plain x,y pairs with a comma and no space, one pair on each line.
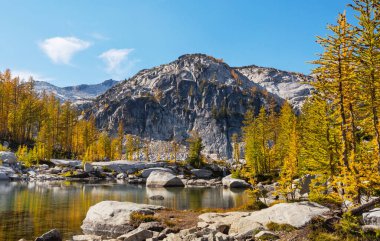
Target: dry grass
178,220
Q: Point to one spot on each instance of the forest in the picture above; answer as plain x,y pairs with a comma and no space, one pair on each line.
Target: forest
337,135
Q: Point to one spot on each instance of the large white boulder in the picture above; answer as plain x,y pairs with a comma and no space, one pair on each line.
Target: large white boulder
112,219
231,182
163,179
372,217
8,157
146,172
66,163
294,214
127,166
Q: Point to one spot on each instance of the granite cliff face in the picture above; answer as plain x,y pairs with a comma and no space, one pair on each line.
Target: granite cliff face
193,93
293,87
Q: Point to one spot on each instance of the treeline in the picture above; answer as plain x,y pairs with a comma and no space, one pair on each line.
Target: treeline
337,136
41,127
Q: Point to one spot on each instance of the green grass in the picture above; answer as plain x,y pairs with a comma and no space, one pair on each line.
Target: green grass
272,226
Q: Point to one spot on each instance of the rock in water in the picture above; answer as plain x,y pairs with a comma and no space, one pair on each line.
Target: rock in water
146,172
52,235
196,92
112,219
372,217
163,179
231,182
294,214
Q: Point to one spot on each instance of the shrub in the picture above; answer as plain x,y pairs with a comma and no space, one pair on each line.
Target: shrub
3,148
349,225
280,227
106,169
325,199
137,218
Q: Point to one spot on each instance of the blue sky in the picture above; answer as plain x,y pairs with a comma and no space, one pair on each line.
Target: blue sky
73,42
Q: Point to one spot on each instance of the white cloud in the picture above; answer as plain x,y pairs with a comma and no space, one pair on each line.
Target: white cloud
117,62
62,49
25,75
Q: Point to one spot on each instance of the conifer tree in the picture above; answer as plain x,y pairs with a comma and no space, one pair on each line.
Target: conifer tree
195,149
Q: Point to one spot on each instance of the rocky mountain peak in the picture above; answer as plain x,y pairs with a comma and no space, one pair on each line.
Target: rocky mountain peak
196,93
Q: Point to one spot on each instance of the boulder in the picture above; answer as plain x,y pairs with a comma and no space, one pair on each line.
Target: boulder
201,173
87,167
122,176
112,219
221,218
146,172
52,235
294,214
372,217
136,235
163,179
221,237
8,157
66,163
231,182
152,226
266,235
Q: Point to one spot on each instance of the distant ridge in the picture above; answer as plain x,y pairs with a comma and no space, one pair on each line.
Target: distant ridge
83,92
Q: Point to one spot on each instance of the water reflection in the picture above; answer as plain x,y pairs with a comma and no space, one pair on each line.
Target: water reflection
30,209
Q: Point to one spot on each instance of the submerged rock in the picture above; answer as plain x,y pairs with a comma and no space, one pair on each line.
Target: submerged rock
231,182
157,197
112,219
163,179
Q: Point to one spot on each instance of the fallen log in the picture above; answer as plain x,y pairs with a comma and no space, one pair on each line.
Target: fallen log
365,207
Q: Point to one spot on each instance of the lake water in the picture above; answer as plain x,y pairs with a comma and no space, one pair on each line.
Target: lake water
27,210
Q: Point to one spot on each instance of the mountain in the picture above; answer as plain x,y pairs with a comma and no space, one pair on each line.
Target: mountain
195,93
290,86
75,93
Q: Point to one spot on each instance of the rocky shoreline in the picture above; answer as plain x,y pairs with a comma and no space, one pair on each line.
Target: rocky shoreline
127,221
111,221
134,172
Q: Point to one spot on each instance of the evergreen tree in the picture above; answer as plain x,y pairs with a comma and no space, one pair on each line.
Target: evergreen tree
195,149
